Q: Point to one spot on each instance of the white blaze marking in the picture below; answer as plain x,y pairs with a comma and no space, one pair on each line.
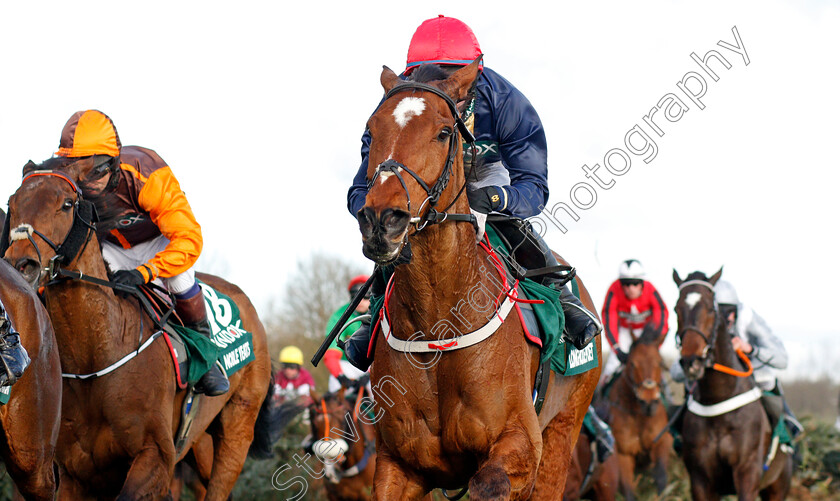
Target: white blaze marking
692,298
407,108
386,174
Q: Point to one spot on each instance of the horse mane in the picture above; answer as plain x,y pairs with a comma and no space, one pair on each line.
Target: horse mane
428,72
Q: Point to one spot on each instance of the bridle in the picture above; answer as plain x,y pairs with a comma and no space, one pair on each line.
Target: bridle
434,192
708,338
648,384
77,237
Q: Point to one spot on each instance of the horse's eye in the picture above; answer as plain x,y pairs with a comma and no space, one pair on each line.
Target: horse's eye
444,134
68,204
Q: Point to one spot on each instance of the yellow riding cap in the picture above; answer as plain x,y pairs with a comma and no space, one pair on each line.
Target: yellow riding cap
88,133
291,355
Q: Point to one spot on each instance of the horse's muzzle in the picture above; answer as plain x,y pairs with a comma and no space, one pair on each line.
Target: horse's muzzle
383,234
693,366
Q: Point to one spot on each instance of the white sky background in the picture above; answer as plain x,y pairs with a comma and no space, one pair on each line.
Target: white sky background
259,107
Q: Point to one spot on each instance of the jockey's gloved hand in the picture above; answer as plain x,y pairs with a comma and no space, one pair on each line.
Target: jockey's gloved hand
363,380
487,199
345,381
622,356
131,278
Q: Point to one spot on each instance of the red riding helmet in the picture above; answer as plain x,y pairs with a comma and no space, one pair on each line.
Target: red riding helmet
357,281
442,40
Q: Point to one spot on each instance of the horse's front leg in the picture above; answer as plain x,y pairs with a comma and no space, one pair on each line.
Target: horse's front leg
626,475
661,450
511,467
747,479
392,482
151,473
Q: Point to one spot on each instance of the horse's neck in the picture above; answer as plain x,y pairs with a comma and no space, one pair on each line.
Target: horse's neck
626,399
715,385
444,269
87,318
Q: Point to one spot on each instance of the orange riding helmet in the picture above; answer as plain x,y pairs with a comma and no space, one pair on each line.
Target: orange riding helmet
89,133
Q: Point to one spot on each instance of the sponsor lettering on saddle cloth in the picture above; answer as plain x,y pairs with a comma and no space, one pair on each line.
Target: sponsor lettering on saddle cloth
540,315
231,345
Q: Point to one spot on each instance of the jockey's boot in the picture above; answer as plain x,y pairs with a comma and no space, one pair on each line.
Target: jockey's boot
12,353
794,426
356,348
604,439
581,325
192,312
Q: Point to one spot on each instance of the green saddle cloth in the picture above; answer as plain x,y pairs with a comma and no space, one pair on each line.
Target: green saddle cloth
230,343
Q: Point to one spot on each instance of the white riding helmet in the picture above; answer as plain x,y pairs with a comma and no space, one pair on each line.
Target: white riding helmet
725,293
631,269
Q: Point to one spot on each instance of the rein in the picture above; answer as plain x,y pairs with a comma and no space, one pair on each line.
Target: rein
734,372
434,192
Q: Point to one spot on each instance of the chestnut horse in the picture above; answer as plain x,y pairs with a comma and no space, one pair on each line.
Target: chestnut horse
117,431
335,423
31,417
637,414
587,477
724,451
454,416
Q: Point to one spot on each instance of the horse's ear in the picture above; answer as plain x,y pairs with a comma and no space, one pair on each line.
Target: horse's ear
677,279
341,393
388,79
29,167
314,395
716,276
458,85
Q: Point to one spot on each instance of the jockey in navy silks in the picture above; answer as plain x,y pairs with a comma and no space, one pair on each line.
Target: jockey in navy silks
511,171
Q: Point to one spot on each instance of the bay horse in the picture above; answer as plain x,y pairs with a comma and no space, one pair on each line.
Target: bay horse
637,414
454,417
336,423
117,431
727,436
589,478
30,419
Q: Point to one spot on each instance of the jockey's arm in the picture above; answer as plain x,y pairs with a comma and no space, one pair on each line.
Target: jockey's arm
659,316
332,359
358,190
609,315
524,152
768,349
677,373
168,208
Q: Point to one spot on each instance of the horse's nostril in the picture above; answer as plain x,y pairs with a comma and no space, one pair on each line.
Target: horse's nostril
29,268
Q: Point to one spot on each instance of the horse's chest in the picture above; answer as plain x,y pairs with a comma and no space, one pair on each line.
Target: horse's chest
433,440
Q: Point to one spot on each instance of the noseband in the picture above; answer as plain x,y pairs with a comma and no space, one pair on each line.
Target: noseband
710,338
77,237
432,194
